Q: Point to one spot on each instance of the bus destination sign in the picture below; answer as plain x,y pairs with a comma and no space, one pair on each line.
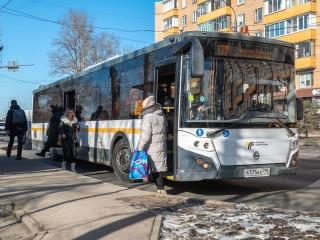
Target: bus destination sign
252,50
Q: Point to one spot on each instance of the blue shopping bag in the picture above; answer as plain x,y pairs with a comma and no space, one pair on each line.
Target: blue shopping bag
139,165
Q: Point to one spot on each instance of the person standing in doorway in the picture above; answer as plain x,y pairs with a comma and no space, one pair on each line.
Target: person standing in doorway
68,129
153,139
16,126
53,130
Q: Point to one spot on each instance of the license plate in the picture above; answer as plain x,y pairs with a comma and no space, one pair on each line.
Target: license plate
257,172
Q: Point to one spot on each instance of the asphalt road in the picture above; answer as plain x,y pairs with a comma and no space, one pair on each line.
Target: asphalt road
294,192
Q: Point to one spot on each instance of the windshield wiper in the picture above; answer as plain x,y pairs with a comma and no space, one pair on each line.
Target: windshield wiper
282,124
247,115
212,134
291,133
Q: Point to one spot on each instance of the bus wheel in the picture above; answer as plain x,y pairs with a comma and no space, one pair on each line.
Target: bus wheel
121,158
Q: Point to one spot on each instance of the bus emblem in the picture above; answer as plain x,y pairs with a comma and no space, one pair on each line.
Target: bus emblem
199,132
225,133
256,155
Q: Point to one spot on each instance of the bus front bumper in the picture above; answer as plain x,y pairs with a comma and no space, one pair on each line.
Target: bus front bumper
239,171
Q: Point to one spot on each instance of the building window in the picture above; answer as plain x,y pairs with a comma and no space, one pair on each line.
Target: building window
306,80
195,16
184,20
194,1
258,14
170,23
304,1
240,21
220,4
259,34
305,49
183,3
292,25
169,5
240,2
204,8
272,6
290,3
215,24
307,21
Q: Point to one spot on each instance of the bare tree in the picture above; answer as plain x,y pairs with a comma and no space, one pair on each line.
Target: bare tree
77,46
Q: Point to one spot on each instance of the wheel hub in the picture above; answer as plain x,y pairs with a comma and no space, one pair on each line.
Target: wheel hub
123,160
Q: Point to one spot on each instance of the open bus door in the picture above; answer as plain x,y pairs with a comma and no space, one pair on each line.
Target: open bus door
165,91
70,99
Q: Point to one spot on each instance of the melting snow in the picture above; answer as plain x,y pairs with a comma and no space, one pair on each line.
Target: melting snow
189,219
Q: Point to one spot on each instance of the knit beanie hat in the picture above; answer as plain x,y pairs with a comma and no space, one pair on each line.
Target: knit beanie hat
149,101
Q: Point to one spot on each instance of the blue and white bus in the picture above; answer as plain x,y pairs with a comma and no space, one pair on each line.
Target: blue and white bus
229,100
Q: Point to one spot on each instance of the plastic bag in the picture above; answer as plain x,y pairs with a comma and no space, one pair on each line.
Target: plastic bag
139,165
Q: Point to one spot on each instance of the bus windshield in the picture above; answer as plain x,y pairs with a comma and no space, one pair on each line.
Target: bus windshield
232,87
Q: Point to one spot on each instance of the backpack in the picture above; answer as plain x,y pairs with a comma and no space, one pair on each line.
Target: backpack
18,117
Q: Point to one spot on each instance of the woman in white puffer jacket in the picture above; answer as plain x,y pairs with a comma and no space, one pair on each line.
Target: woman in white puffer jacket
153,139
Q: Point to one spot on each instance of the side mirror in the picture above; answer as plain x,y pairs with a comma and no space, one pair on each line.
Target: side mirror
196,52
197,60
299,109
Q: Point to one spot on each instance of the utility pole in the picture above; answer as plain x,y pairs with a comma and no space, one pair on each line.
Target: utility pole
1,46
13,66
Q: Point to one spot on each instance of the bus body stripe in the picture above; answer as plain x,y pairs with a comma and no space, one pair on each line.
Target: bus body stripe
102,130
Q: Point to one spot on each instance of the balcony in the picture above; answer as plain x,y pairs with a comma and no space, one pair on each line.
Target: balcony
215,14
305,63
171,13
170,31
290,12
308,34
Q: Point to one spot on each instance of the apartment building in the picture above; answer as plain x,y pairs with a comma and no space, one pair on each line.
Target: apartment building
295,21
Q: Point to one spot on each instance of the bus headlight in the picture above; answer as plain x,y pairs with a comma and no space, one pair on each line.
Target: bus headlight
294,143
206,165
206,145
294,159
196,144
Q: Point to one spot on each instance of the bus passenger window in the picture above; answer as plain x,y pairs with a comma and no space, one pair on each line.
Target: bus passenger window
134,102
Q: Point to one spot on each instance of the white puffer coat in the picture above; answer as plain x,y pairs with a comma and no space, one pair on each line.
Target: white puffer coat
153,137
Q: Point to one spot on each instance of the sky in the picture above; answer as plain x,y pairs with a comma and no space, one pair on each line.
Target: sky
27,34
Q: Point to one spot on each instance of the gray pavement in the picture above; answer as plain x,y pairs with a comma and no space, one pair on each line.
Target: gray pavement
59,204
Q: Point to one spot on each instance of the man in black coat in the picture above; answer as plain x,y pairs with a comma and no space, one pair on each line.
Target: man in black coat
53,130
16,125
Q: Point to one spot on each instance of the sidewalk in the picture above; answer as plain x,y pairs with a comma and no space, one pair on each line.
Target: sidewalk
66,205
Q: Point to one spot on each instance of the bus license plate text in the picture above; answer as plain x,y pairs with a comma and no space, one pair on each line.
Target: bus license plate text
257,172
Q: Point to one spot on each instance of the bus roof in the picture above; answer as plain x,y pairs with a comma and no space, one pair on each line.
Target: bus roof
166,42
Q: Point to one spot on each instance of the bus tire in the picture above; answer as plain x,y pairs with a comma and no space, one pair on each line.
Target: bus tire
121,158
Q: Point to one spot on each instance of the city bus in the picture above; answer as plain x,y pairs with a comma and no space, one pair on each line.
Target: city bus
229,100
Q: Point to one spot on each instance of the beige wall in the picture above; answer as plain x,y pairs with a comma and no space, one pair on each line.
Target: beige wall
248,9
158,25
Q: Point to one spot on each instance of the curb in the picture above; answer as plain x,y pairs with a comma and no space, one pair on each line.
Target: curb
30,223
156,229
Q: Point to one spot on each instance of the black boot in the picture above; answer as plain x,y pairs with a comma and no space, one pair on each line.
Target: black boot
8,154
41,154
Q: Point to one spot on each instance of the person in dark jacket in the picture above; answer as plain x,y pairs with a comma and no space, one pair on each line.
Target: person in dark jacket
68,129
153,139
15,129
95,115
53,130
